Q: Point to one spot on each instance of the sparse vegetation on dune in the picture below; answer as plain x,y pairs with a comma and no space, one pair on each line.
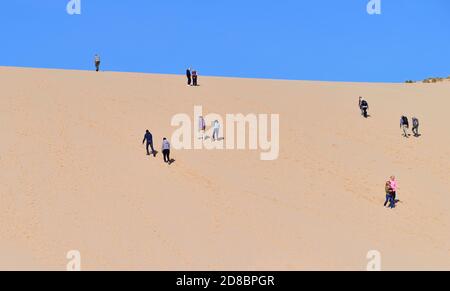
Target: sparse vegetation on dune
430,80
433,80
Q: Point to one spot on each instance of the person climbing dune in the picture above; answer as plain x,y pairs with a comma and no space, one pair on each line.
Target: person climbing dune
149,138
404,125
415,126
364,106
166,151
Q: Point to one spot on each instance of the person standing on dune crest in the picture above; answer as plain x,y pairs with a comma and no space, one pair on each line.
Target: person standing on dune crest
97,63
194,78
188,76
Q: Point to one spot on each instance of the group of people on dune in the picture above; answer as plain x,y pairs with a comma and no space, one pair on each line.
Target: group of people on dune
404,123
391,185
192,77
148,137
202,129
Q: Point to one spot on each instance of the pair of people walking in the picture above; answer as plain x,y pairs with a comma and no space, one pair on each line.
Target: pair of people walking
390,188
363,106
202,129
404,125
148,137
192,77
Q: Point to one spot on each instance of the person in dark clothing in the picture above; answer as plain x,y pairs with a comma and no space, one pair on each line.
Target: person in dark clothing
404,125
166,151
415,126
364,107
149,138
194,78
97,63
188,76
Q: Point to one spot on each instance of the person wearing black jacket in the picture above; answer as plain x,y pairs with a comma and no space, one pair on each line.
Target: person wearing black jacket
194,78
364,107
188,76
404,125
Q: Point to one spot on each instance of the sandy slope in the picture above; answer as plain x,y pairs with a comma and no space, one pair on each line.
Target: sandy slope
74,175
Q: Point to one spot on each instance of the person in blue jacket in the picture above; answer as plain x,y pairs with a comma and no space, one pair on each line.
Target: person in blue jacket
149,138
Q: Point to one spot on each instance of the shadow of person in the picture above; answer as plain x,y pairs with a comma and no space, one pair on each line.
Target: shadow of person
171,161
220,139
417,135
154,153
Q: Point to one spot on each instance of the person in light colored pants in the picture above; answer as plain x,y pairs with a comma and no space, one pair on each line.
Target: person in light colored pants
216,130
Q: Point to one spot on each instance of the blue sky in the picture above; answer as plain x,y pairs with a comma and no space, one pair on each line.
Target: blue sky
283,39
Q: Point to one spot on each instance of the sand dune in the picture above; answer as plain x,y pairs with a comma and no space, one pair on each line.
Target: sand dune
74,175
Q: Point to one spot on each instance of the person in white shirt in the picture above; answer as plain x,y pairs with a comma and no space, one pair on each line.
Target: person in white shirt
216,130
166,151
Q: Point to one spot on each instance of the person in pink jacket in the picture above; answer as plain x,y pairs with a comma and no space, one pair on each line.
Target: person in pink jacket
394,185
